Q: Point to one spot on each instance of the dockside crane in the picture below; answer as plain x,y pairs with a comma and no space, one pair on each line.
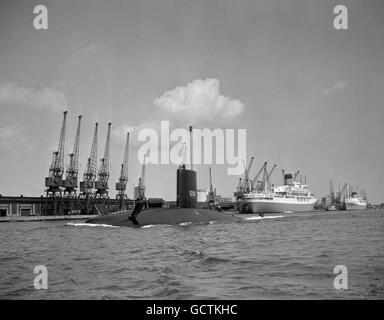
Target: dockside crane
332,192
337,193
342,194
140,200
246,182
89,176
70,182
239,189
101,184
267,178
262,184
211,193
254,181
121,185
141,186
55,179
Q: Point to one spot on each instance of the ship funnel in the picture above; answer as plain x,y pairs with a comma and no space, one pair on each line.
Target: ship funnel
288,179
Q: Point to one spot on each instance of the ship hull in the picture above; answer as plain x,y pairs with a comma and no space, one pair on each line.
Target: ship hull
355,206
275,206
169,216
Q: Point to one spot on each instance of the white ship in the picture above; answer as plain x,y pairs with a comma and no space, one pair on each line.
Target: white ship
355,203
291,197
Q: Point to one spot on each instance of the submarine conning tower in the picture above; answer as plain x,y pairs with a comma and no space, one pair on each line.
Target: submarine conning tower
186,188
186,184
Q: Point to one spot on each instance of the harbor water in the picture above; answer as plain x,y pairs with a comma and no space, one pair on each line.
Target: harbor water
281,256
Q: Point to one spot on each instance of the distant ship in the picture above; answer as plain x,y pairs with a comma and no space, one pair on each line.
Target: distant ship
354,202
291,197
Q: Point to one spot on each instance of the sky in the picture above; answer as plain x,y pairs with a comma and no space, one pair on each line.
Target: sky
310,97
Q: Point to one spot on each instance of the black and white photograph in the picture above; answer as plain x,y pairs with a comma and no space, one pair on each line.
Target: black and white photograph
205,150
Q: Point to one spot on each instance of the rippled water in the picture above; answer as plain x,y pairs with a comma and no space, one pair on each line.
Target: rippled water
289,256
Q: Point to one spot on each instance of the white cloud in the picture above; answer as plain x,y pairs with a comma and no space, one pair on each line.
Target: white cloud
199,101
83,54
336,87
45,98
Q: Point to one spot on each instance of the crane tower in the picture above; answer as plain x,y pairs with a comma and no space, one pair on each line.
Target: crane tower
121,185
89,176
212,192
140,189
54,181
101,184
70,182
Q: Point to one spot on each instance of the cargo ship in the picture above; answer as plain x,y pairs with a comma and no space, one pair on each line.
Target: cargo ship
354,202
291,197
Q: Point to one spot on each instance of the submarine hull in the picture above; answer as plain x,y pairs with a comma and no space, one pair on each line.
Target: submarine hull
169,216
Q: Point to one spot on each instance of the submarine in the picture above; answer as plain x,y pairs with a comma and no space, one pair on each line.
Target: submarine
186,210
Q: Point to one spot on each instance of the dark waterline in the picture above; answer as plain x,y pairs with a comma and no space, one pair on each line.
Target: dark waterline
291,256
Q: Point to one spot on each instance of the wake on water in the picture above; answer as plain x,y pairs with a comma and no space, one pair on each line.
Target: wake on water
185,223
83,224
90,225
262,218
147,226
